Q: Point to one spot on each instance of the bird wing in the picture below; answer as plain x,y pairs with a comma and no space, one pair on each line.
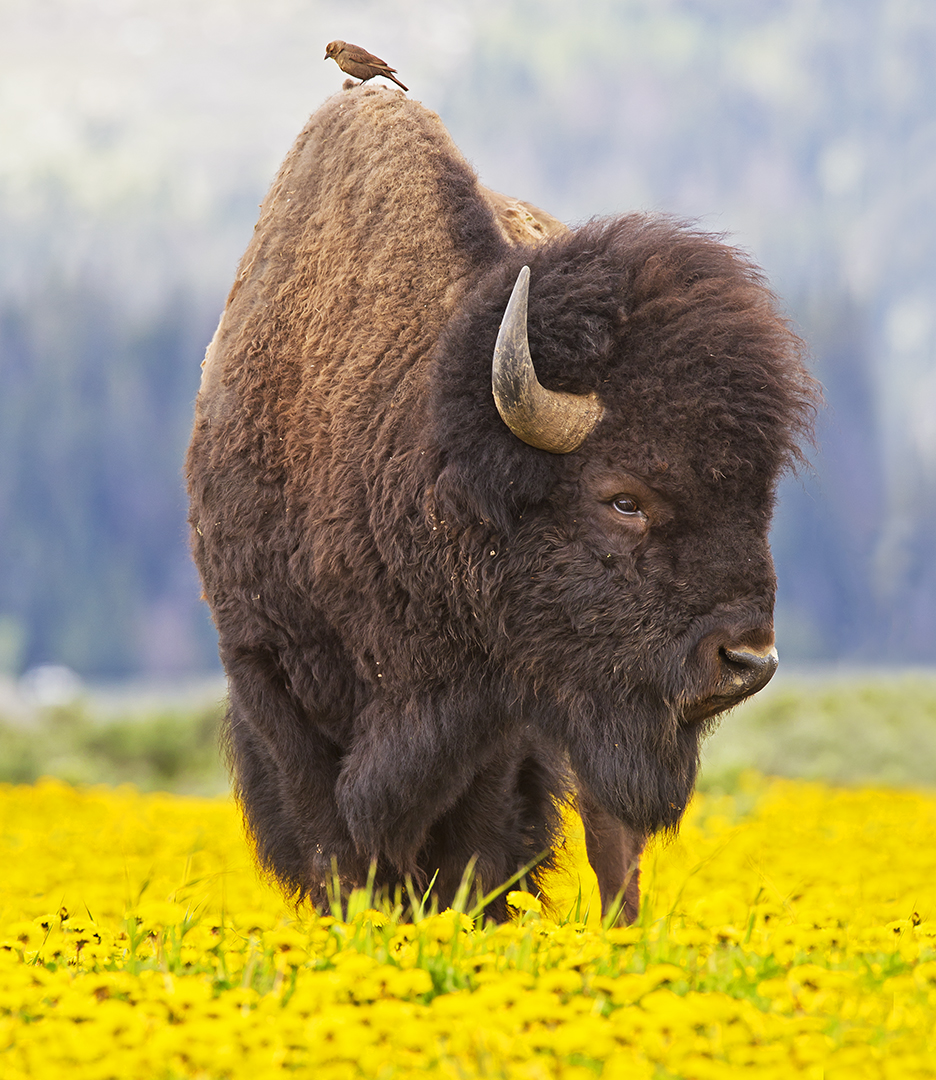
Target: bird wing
362,56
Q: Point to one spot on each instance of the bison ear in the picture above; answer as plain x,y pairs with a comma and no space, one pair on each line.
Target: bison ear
467,493
460,500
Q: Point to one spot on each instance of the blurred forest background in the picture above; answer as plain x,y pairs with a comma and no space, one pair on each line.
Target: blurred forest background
136,140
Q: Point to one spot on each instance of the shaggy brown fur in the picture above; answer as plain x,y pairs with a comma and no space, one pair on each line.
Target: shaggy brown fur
433,631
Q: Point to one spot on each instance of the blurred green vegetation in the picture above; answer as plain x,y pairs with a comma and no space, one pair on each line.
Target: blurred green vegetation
843,730
163,750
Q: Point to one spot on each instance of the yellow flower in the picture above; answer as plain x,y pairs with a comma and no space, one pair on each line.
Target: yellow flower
765,947
524,901
371,918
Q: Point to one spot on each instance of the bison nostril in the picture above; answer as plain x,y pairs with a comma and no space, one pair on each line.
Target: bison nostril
748,669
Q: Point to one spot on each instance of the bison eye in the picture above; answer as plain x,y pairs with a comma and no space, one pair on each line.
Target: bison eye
624,504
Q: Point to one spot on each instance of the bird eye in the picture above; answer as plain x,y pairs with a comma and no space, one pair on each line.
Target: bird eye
624,504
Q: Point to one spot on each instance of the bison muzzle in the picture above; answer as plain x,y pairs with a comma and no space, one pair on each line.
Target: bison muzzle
480,505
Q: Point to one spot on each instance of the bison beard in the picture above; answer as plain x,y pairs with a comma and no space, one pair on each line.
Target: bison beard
444,611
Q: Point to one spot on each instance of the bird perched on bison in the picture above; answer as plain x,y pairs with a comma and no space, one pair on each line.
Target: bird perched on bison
353,60
482,518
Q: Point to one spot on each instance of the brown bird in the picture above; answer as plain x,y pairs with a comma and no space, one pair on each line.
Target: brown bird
359,62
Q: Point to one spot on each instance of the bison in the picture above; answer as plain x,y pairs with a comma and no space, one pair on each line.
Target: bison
448,601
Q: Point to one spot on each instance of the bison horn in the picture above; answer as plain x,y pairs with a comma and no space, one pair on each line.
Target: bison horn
548,419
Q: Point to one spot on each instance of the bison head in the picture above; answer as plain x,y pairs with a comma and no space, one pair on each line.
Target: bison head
620,494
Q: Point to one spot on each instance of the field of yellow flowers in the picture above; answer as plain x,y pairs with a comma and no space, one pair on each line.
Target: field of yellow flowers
790,930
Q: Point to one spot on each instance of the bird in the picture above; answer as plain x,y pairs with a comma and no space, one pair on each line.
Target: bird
358,62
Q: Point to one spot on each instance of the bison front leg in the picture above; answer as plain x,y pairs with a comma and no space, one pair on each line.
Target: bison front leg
409,764
285,770
614,851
